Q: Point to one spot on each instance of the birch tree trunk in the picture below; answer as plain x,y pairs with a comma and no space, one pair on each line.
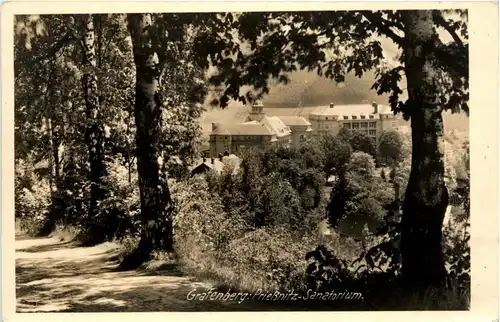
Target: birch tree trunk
156,202
426,196
94,136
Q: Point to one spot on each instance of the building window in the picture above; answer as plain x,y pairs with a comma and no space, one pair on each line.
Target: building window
326,126
373,132
373,125
346,117
364,125
362,117
354,117
355,125
327,117
371,116
249,137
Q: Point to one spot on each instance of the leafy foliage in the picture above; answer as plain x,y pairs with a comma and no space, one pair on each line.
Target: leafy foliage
358,191
390,147
326,272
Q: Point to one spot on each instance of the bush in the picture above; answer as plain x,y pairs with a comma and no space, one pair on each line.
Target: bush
326,272
202,229
271,258
33,206
215,244
72,196
119,212
457,254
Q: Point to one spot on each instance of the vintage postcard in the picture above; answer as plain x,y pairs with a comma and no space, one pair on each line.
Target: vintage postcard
292,160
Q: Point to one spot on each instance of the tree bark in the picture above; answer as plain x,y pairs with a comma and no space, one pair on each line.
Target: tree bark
156,202
426,196
94,135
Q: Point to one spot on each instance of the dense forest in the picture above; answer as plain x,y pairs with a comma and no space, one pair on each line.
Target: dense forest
107,110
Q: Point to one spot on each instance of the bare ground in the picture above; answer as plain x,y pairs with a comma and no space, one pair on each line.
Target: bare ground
58,276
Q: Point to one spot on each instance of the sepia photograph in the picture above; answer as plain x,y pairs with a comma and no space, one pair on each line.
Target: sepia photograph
281,160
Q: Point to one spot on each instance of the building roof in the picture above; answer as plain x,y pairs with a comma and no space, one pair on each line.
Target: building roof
248,128
294,120
276,125
221,130
350,109
218,165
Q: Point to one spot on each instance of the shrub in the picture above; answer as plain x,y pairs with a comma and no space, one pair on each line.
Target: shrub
119,211
271,258
326,272
71,198
202,229
457,253
33,206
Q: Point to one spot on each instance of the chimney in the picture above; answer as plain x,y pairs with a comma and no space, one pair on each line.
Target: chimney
215,126
220,157
204,159
213,160
332,105
375,108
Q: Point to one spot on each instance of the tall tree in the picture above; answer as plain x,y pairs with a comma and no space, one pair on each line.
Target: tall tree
94,132
390,146
426,195
337,153
156,202
47,98
360,141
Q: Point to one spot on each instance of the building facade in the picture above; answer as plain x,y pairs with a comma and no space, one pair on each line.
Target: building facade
300,127
235,138
372,119
258,130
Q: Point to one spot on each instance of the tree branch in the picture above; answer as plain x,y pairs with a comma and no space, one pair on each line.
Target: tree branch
381,24
110,39
58,45
440,21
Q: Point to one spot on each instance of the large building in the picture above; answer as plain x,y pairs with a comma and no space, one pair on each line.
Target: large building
259,130
300,127
372,119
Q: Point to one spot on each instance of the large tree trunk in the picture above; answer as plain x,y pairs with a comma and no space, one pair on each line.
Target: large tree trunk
426,196
156,202
94,136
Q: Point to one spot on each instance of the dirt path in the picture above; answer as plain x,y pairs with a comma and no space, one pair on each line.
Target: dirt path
56,276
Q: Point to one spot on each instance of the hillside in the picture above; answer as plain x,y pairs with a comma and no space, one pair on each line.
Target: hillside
306,91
